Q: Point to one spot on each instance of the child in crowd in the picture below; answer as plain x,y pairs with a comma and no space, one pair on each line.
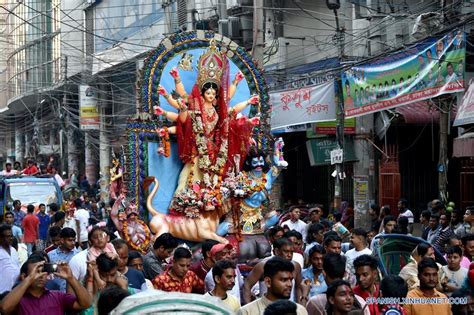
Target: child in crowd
453,275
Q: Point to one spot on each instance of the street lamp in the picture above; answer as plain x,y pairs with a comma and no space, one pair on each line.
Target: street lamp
333,4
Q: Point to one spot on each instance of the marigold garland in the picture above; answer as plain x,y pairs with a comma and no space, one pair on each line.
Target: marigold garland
211,172
142,247
258,187
166,141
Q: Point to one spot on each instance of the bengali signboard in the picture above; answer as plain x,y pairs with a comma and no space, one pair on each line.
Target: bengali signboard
303,105
429,69
465,113
89,115
329,128
319,150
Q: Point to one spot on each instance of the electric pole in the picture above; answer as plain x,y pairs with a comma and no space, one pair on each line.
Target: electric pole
335,5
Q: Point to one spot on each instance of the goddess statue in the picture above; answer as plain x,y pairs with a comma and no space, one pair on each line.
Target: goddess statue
116,174
209,132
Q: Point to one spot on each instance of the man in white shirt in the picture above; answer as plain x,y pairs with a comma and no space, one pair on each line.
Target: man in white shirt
405,212
281,247
220,252
359,241
78,265
294,223
82,222
8,171
58,177
10,266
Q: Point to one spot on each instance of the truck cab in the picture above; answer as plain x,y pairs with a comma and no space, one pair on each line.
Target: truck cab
29,190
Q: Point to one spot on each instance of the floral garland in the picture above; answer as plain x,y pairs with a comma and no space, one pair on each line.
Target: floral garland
243,185
212,174
205,164
142,247
259,185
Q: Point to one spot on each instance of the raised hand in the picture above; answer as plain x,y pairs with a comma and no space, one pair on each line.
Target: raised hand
91,267
238,77
174,73
160,131
254,100
162,90
64,271
255,120
158,110
37,272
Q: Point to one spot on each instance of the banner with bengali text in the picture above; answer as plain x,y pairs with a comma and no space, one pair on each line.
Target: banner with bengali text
430,68
303,105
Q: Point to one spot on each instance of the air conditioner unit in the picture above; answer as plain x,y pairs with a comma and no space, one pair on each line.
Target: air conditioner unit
230,27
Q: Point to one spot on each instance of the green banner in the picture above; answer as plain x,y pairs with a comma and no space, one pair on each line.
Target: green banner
319,150
428,69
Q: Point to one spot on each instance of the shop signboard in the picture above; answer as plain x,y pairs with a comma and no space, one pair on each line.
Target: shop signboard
89,115
319,150
303,105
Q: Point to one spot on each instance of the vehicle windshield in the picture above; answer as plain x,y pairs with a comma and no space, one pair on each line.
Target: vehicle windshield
32,193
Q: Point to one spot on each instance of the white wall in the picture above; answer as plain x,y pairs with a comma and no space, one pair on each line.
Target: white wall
139,39
4,52
72,35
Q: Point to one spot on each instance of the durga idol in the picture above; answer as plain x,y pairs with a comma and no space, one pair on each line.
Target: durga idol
209,132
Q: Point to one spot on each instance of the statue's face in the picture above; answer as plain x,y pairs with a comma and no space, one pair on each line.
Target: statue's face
258,163
210,95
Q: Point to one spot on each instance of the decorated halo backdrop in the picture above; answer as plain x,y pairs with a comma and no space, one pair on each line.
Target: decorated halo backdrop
142,159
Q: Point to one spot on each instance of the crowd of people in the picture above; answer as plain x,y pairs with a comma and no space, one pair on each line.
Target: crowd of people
71,261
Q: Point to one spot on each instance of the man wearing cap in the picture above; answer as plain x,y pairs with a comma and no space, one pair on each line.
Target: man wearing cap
31,169
220,252
202,266
315,214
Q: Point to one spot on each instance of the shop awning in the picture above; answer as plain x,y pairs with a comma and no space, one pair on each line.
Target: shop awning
463,146
421,113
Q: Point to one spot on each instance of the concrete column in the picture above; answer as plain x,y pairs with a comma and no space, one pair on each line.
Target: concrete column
9,144
52,135
72,148
19,144
28,137
91,157
364,152
444,105
104,150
